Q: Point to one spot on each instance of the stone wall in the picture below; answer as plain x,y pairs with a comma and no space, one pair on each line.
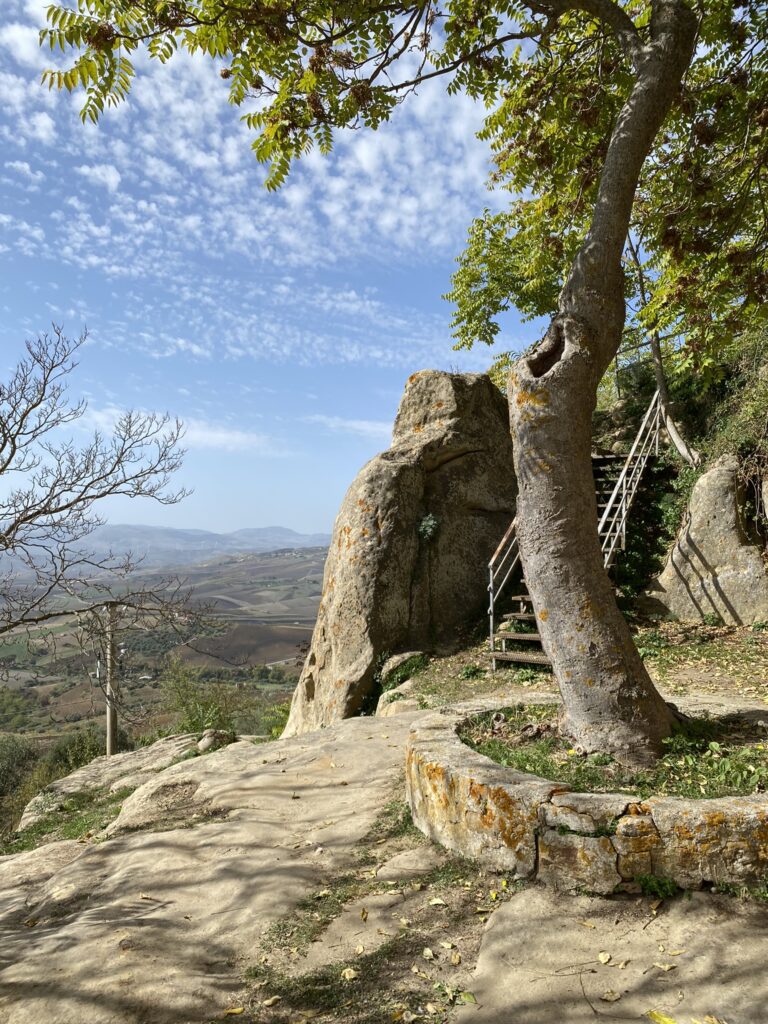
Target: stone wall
602,842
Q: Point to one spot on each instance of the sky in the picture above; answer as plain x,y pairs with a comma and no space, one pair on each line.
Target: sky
280,327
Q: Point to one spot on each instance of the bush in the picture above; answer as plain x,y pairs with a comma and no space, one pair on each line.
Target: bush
201,704
17,756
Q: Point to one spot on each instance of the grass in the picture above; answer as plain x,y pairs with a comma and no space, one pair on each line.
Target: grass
79,815
708,758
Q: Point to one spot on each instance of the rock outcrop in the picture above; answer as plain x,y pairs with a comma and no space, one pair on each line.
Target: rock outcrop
714,567
407,563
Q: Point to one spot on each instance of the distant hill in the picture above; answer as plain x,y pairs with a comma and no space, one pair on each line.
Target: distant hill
159,545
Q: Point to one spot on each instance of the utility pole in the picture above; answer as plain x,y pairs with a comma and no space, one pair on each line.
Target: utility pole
111,685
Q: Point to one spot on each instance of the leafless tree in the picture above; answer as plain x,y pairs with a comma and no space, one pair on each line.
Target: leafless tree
51,491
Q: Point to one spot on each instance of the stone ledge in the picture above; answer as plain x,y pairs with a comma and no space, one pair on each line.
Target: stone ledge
601,842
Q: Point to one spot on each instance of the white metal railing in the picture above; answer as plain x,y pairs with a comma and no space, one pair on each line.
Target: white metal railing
612,527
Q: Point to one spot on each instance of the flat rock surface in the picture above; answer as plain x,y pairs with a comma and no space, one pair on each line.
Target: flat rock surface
540,961
156,927
121,771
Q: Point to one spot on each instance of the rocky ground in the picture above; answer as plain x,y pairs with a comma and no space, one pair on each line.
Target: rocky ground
283,882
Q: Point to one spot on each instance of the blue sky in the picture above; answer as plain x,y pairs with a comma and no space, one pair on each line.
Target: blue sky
279,327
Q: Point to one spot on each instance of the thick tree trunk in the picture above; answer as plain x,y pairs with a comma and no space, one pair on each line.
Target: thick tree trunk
610,702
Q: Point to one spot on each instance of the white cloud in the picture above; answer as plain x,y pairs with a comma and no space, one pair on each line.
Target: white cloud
21,41
40,127
204,434
359,428
101,174
22,168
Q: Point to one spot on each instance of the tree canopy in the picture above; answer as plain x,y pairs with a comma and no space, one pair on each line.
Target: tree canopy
697,254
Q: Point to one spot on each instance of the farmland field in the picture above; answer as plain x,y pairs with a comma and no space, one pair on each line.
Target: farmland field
262,607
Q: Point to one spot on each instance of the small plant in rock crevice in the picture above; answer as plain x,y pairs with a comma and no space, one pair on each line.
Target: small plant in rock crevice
427,527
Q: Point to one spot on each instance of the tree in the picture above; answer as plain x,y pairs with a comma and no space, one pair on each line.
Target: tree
49,504
696,258
312,67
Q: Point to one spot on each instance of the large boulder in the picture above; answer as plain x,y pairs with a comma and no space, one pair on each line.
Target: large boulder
714,567
407,566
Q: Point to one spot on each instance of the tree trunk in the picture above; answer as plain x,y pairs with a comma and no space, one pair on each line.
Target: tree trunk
690,455
610,703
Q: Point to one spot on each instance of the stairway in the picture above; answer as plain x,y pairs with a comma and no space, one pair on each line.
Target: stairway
617,480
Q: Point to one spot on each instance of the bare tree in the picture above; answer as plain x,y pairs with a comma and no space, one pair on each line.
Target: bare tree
51,490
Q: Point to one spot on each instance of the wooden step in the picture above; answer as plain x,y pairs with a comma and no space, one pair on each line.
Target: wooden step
509,635
520,616
521,657
521,597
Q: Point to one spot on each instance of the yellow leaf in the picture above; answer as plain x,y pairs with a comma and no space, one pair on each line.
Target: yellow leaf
456,959
659,1018
603,957
272,1001
359,950
666,967
447,945
350,974
437,902
235,1011
427,953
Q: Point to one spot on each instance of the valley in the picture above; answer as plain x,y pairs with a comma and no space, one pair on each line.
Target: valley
260,611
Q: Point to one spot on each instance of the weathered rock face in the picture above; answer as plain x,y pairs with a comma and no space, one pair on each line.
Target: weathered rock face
714,568
407,563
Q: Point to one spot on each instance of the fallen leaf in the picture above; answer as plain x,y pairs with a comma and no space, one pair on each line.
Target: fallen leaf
432,1009
456,959
659,1018
405,922
603,957
437,902
676,952
465,997
655,905
587,924
359,950
623,964
364,914
235,1011
427,953
609,996
272,1001
350,974
666,967
447,945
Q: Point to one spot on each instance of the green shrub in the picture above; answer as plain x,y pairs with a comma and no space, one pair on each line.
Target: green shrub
201,704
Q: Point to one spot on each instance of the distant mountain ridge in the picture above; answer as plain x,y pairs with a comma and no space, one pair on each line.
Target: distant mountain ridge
162,545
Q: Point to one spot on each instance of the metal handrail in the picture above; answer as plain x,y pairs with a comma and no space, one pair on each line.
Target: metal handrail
612,527
613,523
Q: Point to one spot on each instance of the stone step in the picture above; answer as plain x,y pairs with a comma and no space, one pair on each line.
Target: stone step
509,635
521,657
